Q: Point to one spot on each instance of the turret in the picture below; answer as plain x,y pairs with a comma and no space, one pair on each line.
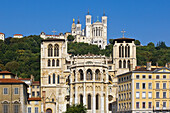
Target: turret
73,28
88,24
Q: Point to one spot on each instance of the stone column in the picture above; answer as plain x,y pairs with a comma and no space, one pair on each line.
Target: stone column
76,96
102,100
94,99
84,86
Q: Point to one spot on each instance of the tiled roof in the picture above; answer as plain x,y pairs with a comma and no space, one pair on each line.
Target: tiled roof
12,80
24,78
34,98
18,35
53,39
1,33
6,72
124,39
36,83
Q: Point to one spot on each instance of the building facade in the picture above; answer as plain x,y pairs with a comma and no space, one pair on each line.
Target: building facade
144,90
13,94
18,36
93,33
88,79
2,36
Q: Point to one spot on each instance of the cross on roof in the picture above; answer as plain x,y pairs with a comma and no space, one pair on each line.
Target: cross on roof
123,31
54,32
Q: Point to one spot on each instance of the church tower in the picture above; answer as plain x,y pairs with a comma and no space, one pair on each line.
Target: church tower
78,27
73,28
124,54
88,25
104,21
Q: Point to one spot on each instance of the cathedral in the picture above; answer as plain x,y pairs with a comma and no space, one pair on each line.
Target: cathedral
93,33
88,79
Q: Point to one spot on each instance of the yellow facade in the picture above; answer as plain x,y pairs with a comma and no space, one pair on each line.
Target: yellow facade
150,90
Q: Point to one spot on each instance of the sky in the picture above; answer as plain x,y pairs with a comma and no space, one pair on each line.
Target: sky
144,20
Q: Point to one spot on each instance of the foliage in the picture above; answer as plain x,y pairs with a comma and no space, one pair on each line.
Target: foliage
21,56
137,42
70,38
77,109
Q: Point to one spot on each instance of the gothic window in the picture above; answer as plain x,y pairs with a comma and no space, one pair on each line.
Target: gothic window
81,74
53,62
57,62
50,50
89,102
49,79
124,64
56,50
58,79
97,73
128,51
122,51
53,78
126,47
49,62
120,64
67,106
128,64
97,101
89,74
81,99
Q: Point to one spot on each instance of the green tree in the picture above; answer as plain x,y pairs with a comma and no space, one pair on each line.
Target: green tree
12,66
137,42
77,109
70,38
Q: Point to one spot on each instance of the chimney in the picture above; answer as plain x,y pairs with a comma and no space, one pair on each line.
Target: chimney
148,66
156,64
32,77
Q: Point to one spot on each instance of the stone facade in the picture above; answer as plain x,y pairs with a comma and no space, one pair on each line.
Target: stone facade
87,79
93,33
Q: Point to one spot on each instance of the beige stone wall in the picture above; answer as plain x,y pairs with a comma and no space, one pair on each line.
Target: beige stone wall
11,99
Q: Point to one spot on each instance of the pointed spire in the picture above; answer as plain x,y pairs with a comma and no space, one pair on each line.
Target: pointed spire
104,13
73,20
88,11
78,22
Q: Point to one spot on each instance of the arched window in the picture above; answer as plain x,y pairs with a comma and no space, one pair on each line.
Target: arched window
57,62
49,79
81,74
120,64
126,47
50,50
58,79
53,78
56,50
81,99
122,51
89,102
124,64
53,62
97,74
97,101
89,74
128,51
49,62
128,64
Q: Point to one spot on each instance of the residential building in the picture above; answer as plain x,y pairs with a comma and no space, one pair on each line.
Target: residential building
18,36
2,36
144,90
13,96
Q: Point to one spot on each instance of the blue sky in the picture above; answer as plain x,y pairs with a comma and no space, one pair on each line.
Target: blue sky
144,20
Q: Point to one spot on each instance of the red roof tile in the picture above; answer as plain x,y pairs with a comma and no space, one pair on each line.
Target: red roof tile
34,98
18,35
24,78
1,33
12,80
6,72
36,83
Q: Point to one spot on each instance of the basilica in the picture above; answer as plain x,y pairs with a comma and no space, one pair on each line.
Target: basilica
88,79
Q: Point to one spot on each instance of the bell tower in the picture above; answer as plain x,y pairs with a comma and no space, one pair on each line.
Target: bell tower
73,28
88,25
104,22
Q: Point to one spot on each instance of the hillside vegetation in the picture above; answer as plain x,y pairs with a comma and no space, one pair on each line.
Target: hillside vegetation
22,56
